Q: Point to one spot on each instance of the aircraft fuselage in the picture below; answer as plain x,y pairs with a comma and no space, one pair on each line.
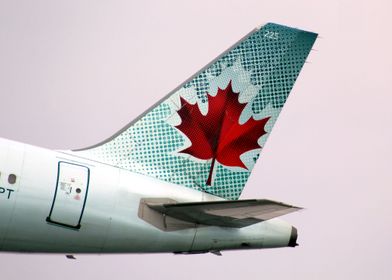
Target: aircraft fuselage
52,201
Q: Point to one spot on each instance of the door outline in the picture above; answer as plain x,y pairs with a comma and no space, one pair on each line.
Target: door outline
48,219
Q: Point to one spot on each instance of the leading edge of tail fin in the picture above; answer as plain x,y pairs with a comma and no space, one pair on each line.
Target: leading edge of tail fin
208,133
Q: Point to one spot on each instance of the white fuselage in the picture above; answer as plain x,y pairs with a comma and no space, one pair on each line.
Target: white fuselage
102,215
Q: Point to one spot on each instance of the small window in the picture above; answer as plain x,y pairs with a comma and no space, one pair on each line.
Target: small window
12,179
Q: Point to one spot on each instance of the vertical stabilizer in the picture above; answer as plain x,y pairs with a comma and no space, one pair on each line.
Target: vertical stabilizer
208,133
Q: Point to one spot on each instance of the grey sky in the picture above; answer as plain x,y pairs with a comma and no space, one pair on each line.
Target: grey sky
74,72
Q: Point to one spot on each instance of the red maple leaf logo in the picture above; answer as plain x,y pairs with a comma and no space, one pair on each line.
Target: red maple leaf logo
219,135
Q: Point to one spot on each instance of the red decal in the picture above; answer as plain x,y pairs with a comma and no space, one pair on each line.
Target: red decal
219,135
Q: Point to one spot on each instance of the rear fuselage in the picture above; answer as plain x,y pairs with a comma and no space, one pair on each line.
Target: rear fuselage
57,202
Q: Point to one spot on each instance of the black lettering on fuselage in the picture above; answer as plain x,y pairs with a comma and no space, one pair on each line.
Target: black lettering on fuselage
3,191
9,193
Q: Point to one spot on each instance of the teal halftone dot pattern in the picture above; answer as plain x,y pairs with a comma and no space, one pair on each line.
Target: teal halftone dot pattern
263,67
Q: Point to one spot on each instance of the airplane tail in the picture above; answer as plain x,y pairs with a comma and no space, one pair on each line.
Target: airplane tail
208,133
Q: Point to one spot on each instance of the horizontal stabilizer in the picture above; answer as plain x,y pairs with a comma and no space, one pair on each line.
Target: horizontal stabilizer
237,214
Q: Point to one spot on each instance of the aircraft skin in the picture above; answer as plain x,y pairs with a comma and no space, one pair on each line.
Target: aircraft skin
83,202
110,218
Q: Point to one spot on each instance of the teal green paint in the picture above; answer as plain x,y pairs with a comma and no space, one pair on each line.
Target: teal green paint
270,65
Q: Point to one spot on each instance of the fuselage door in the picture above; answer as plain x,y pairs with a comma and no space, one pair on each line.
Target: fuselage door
70,195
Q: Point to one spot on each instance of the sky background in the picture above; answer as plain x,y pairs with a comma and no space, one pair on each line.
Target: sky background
72,73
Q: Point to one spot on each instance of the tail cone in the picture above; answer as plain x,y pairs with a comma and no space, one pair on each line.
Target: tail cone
293,237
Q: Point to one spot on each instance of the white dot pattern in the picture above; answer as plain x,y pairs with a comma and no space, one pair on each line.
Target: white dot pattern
260,63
